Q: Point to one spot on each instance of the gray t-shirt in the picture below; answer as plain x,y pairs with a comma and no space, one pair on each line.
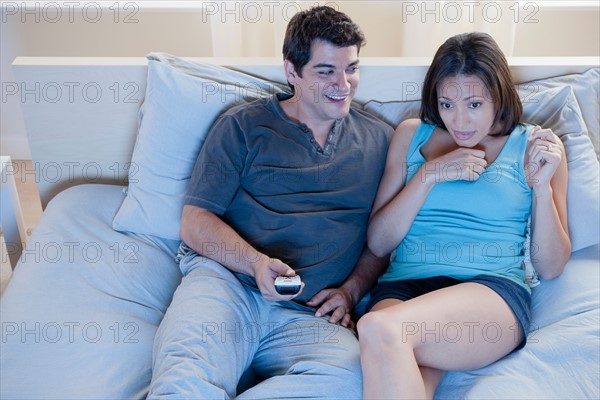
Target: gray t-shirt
267,177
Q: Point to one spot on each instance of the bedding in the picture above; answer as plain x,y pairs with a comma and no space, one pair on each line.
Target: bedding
80,312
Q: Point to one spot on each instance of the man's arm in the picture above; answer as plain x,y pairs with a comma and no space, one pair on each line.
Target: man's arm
343,299
208,235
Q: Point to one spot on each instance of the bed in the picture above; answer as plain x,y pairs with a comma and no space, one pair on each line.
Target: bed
94,280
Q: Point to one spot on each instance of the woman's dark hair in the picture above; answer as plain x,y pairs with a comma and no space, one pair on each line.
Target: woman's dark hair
324,23
475,54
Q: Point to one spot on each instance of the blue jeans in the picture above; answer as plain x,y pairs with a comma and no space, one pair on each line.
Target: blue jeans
216,328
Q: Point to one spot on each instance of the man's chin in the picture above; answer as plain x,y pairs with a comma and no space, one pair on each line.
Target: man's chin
338,112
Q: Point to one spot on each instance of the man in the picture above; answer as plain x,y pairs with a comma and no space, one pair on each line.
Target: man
282,186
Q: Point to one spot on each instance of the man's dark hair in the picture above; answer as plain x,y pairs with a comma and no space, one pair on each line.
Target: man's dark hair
318,23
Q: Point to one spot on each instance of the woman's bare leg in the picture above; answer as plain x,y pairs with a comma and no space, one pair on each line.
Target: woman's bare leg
406,345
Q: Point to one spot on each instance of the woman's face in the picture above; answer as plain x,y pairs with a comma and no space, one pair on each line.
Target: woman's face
467,109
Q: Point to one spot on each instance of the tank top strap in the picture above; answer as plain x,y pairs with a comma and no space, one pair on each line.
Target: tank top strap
420,137
516,144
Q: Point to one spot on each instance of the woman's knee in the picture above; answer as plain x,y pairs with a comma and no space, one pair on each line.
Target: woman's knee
375,329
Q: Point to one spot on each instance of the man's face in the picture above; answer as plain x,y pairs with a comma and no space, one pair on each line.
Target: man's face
328,83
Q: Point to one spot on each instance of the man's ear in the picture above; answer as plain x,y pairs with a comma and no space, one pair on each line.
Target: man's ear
290,71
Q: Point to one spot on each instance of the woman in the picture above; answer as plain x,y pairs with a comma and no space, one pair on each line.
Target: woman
459,187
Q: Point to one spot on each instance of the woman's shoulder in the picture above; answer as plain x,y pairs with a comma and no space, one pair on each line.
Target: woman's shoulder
406,130
409,125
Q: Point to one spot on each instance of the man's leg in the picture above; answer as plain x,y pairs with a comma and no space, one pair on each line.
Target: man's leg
201,349
302,356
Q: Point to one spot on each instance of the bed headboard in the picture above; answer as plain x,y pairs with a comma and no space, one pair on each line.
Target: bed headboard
81,114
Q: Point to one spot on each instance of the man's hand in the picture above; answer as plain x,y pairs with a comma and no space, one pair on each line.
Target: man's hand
265,273
337,300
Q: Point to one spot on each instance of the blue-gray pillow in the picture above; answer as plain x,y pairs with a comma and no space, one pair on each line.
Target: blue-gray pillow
182,101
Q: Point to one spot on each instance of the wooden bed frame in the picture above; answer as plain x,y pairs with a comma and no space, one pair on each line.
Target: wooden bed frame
81,114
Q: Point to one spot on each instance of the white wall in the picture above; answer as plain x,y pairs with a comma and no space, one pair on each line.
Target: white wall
182,33
256,28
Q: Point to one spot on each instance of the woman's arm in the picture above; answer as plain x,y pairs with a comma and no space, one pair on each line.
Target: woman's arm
392,182
547,175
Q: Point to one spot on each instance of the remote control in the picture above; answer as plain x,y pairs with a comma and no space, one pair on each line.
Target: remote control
287,284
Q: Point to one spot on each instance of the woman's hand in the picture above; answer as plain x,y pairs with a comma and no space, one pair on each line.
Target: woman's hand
545,152
462,164
547,174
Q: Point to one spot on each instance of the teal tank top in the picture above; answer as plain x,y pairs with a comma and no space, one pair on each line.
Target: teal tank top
466,229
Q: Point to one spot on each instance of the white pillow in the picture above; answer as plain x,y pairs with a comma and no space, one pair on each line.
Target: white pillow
554,107
583,191
182,101
394,112
557,108
585,87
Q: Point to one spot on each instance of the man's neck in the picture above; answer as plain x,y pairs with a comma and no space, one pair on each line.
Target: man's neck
319,129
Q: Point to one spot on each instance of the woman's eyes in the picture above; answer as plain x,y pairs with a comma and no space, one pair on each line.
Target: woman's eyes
448,106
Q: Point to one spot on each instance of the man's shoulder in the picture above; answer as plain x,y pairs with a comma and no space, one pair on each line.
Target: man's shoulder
248,107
